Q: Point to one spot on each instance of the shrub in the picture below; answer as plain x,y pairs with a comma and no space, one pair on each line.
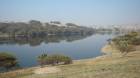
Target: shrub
42,59
55,59
125,47
126,42
135,41
7,60
132,38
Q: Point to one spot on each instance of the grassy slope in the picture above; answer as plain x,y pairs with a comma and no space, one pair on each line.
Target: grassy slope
111,65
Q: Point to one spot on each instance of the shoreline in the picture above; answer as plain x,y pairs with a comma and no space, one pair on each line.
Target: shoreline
103,50
111,62
106,49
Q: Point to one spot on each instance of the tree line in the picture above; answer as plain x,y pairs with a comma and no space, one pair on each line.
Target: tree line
37,28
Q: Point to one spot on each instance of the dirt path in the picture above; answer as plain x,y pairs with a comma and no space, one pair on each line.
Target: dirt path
46,70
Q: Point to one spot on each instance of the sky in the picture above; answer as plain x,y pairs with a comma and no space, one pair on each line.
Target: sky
83,12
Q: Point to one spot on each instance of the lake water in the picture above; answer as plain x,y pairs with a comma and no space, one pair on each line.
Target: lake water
77,47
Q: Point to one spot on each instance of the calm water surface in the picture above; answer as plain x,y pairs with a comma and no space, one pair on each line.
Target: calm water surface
83,48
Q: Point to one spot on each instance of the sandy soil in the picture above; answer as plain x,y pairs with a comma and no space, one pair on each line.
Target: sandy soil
46,70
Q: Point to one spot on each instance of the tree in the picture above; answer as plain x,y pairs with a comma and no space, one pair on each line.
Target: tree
35,28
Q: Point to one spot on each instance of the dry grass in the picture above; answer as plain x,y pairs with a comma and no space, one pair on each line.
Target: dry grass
17,73
46,70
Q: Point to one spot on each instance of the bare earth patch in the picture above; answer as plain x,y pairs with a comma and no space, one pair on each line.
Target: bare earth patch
46,70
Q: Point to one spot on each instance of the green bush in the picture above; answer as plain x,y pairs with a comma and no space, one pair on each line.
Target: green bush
55,59
42,59
7,60
5,56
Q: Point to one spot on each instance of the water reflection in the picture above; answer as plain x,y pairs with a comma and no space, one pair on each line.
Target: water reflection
75,46
35,41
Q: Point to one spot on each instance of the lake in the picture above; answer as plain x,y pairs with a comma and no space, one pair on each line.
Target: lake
77,47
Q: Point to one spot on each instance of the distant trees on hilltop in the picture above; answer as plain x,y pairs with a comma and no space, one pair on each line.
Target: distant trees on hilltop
35,28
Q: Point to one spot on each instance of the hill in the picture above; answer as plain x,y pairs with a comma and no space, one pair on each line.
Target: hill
36,28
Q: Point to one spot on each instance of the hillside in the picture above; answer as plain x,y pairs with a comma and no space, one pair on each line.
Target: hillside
36,28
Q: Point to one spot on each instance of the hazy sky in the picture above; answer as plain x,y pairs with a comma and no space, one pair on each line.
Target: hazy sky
84,12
